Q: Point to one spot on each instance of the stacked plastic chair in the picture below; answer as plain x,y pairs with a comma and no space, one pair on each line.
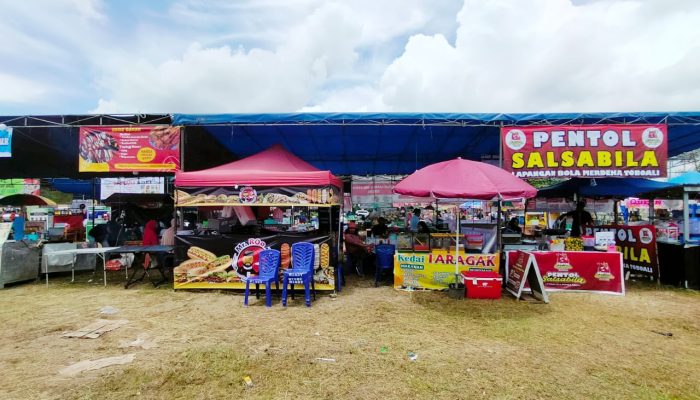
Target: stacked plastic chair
269,274
384,258
301,273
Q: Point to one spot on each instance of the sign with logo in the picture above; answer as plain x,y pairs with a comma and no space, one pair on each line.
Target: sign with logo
248,195
585,151
109,186
436,269
129,148
522,272
638,247
5,141
597,272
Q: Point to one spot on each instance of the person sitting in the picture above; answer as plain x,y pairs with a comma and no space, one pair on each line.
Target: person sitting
422,227
513,227
355,248
380,230
415,219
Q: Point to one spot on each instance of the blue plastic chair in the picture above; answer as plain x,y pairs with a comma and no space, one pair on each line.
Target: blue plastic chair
301,273
384,260
269,272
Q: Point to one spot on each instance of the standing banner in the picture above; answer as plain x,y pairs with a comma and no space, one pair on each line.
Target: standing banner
586,271
5,141
638,247
436,269
585,151
522,271
129,148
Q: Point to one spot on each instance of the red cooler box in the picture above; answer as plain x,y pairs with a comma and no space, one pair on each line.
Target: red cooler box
482,284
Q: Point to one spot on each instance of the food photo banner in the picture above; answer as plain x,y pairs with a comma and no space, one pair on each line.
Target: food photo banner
588,151
221,262
129,148
249,195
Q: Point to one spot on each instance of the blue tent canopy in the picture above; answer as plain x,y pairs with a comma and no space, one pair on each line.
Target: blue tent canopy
689,178
602,187
400,143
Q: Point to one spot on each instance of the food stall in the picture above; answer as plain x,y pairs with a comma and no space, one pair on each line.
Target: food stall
678,241
268,200
434,261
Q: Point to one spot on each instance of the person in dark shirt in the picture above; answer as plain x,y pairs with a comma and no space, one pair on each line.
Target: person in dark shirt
381,230
115,234
581,218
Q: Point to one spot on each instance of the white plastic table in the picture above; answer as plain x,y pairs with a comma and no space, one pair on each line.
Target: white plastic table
99,251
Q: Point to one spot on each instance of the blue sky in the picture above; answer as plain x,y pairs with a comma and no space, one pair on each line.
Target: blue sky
94,56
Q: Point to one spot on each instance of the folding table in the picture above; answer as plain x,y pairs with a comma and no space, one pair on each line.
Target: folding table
100,251
153,251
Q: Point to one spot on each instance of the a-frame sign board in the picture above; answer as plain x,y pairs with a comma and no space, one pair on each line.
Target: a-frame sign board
523,268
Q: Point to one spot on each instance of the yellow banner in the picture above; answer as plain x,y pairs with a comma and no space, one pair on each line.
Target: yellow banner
436,269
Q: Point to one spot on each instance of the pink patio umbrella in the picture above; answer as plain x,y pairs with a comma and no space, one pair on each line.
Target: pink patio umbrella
460,180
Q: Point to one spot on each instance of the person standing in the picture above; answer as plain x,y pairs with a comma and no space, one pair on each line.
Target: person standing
415,219
18,226
580,218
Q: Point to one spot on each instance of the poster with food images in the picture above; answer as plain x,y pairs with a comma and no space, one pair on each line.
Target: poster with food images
214,263
246,195
129,148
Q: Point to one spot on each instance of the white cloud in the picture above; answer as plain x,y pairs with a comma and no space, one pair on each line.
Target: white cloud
15,89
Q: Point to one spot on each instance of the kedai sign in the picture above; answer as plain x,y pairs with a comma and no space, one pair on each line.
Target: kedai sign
587,151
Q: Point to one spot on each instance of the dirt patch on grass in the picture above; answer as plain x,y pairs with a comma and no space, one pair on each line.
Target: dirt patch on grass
579,346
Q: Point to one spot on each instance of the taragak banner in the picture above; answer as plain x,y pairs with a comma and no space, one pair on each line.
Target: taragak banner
221,262
259,195
578,270
129,148
638,247
588,151
5,141
436,269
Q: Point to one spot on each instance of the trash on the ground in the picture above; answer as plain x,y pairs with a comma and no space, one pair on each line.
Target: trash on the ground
321,359
109,310
412,356
667,334
317,334
141,341
97,328
383,349
334,295
90,365
248,381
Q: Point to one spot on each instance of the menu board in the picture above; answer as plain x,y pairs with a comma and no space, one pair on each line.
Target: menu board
129,148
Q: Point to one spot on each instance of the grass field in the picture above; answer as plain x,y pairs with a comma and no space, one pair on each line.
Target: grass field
580,346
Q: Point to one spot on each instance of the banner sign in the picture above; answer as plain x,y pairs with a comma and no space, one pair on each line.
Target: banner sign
5,141
259,195
522,272
129,148
17,186
585,151
220,262
436,269
109,186
587,271
638,247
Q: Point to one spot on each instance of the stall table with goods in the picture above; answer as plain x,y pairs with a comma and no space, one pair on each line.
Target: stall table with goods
436,261
232,212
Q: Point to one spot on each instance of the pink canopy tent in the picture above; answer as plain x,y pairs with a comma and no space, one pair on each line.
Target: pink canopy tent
464,180
460,180
275,166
